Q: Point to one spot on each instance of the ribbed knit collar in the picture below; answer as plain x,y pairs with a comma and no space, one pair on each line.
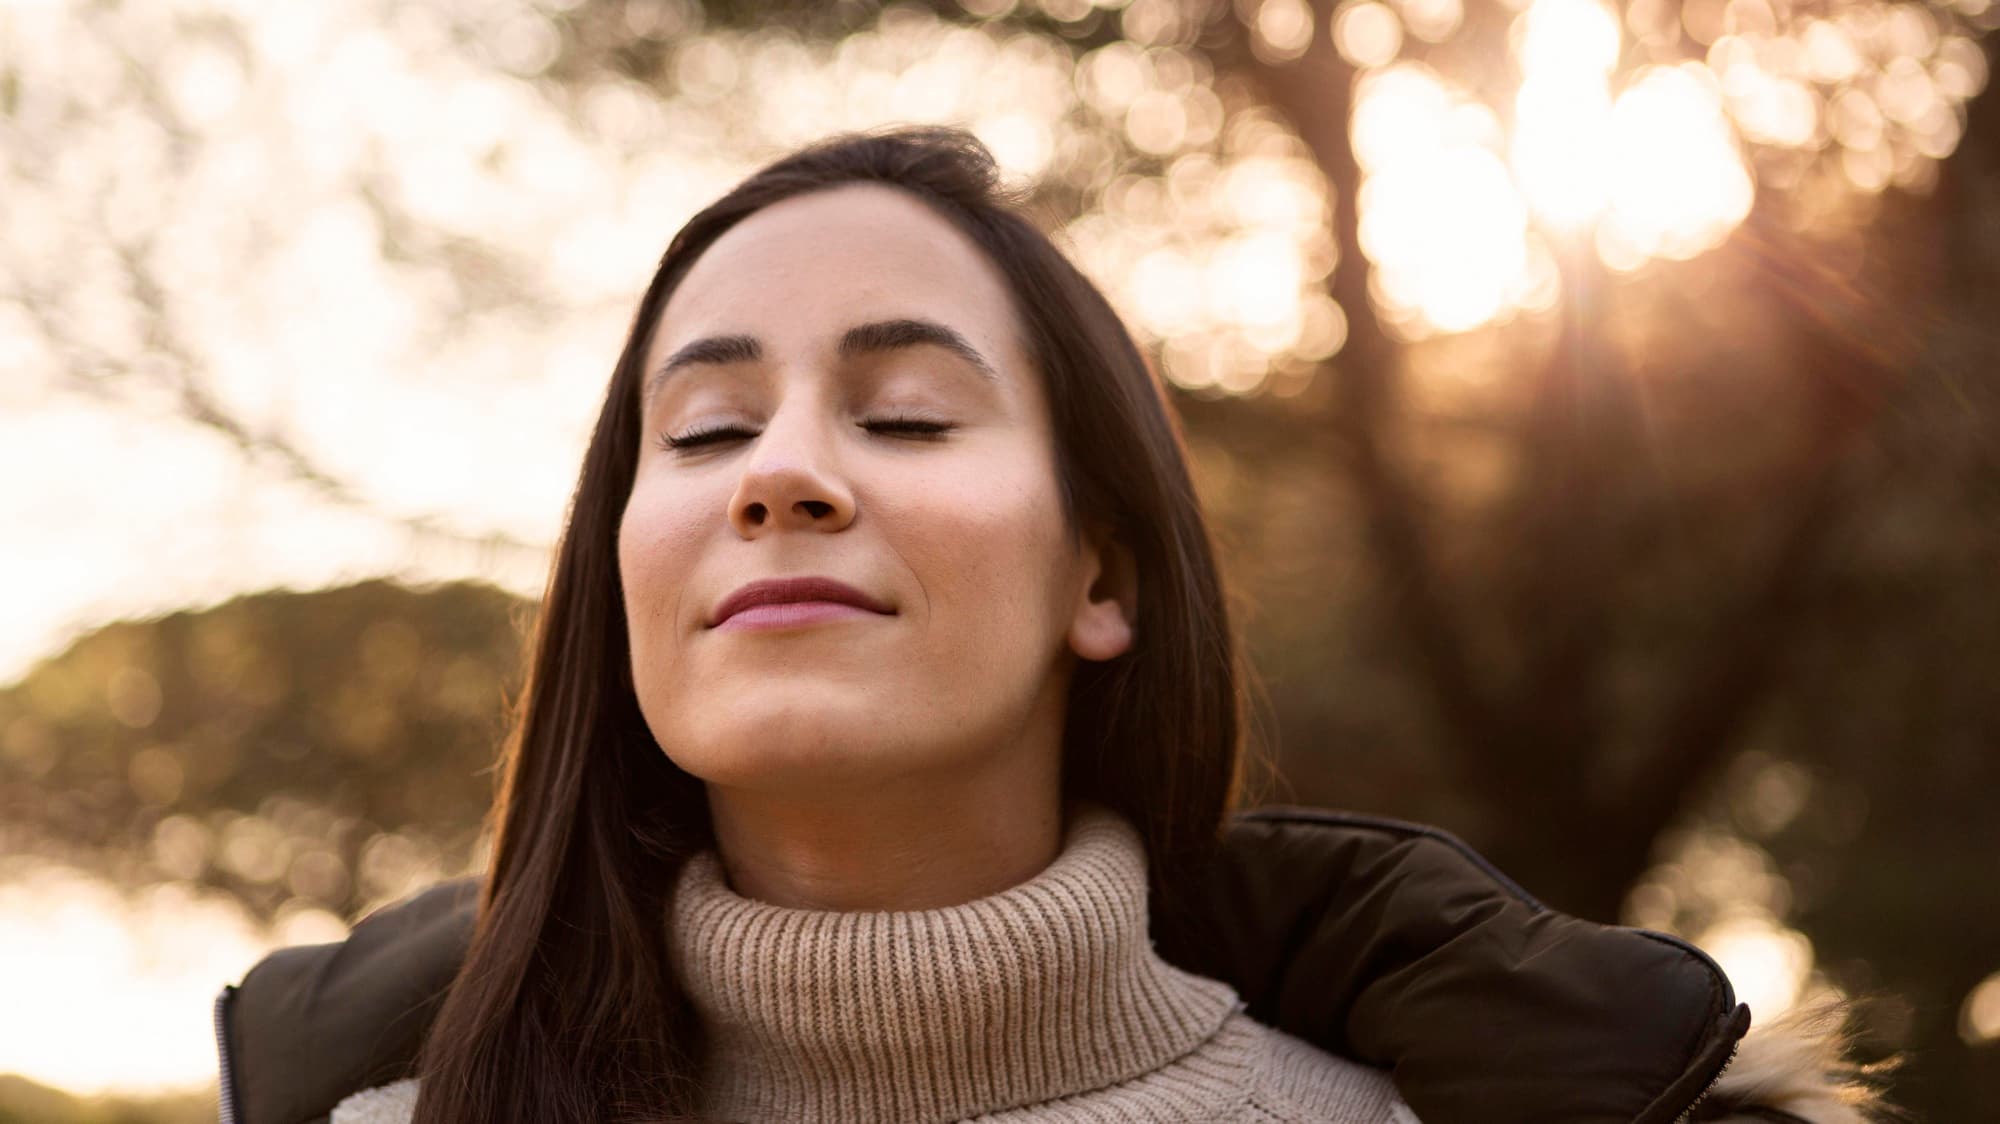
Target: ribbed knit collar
1044,990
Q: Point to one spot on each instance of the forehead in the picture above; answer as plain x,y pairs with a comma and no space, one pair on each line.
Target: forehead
799,272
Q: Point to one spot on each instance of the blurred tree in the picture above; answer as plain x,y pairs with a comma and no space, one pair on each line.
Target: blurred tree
24,1102
328,750
1644,481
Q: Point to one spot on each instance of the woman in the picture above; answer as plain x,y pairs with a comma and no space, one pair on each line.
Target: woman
883,672
882,687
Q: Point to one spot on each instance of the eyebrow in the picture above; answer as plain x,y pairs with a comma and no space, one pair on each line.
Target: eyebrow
871,338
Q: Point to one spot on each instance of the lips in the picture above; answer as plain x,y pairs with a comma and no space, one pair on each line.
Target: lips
780,591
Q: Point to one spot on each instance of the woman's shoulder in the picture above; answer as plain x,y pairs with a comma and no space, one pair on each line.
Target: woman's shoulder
1293,1080
394,1103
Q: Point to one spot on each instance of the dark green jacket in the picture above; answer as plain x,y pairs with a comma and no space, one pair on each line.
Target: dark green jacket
1386,942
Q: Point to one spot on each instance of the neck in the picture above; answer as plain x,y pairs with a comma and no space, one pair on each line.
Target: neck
915,841
1047,989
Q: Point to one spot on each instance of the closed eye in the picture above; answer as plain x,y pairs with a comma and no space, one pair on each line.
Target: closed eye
914,427
697,437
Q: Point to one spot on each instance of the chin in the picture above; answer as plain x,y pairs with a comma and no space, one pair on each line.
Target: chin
790,746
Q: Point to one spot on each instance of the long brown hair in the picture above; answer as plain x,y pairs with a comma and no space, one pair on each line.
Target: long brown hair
565,1007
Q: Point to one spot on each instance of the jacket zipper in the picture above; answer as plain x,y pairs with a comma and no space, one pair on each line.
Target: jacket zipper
1687,1114
1728,1004
226,1081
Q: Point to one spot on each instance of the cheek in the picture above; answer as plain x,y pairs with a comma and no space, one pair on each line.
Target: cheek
987,548
657,539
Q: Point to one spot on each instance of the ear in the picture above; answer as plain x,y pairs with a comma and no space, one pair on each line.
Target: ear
1102,626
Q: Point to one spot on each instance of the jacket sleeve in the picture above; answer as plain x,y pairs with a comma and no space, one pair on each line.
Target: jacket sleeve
1397,945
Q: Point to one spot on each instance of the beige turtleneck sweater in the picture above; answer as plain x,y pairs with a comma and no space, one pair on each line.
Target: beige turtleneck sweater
1044,1002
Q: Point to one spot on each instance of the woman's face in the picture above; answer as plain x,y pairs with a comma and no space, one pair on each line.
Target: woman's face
845,378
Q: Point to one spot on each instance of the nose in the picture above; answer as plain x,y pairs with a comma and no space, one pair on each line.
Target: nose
790,479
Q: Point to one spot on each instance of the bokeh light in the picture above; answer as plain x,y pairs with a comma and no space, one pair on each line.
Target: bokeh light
1282,29
1367,33
1767,963
1722,891
1635,149
1979,1015
1679,186
1440,217
1220,262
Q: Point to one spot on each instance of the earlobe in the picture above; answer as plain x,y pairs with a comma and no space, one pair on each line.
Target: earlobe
1106,614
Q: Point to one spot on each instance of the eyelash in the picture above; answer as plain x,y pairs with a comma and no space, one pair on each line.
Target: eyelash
915,427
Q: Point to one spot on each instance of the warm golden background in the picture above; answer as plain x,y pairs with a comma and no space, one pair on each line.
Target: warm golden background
1599,406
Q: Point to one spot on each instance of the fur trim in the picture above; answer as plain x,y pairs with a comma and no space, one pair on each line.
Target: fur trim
1796,1068
394,1103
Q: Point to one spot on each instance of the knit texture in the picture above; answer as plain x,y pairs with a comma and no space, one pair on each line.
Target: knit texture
1045,1002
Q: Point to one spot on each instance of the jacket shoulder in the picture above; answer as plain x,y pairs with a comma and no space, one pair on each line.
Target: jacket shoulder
309,1025
1398,945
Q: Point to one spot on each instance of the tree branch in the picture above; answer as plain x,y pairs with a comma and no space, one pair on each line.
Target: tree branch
1315,94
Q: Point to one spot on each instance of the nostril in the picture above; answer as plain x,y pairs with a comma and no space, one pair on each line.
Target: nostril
755,513
816,508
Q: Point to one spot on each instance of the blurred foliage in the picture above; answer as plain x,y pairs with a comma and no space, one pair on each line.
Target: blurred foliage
24,1102
1739,667
1890,706
1860,807
325,750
